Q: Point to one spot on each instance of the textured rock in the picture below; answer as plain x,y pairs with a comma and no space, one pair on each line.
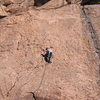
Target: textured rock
2,11
72,74
55,3
75,1
14,6
7,2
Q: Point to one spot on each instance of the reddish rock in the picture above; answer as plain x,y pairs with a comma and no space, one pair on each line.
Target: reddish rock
24,36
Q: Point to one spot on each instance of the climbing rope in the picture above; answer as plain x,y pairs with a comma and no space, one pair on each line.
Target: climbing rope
33,93
41,79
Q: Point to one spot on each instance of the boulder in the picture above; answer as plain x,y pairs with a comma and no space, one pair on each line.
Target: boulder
53,4
20,6
2,11
7,2
14,8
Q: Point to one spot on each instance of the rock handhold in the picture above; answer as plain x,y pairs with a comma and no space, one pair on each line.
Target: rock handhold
3,13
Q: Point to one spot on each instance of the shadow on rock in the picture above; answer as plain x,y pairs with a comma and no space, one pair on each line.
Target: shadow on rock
40,2
2,17
90,2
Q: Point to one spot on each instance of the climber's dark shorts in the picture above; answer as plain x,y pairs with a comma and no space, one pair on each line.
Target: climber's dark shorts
48,57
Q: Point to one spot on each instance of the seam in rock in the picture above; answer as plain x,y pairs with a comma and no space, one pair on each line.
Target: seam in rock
93,35
10,89
91,30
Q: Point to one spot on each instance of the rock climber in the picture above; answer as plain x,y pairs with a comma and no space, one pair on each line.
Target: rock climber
48,55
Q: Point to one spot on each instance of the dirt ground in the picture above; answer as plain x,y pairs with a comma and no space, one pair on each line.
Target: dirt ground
73,73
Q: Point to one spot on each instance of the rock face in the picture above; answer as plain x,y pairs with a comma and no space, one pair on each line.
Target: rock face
73,73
